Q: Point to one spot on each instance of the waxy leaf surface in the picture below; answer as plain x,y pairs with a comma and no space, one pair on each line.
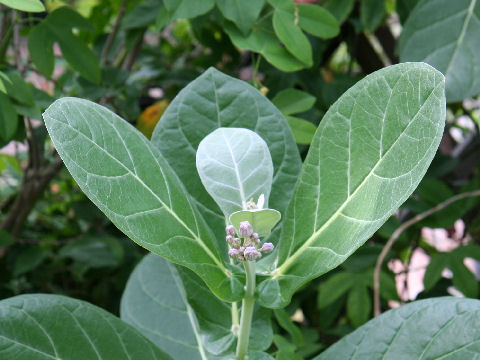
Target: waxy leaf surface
216,100
439,328
369,153
235,166
131,182
53,327
445,34
171,306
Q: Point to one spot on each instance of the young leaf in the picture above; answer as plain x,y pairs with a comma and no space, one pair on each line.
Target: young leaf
24,5
436,324
262,220
131,182
56,327
369,153
235,166
447,40
216,100
172,307
242,12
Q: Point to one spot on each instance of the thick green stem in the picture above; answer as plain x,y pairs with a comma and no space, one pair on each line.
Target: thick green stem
248,304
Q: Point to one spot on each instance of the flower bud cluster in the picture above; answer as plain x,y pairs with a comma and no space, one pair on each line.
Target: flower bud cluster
249,250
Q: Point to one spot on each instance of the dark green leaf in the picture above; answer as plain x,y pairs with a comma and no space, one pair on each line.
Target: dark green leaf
243,13
287,324
142,15
5,239
40,46
332,289
18,89
8,118
187,9
302,130
292,101
340,8
42,327
372,13
317,21
29,259
359,305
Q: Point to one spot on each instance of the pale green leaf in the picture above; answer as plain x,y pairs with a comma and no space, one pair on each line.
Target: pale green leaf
293,101
8,118
317,21
235,166
302,130
24,5
18,89
243,13
448,40
369,153
173,308
216,100
262,40
53,327
262,220
439,328
132,183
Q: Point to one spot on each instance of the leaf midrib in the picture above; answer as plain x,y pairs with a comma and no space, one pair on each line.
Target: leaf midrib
180,221
291,259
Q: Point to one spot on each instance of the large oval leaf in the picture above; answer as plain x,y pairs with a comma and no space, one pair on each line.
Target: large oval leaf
235,166
216,100
130,181
43,327
440,328
369,153
444,34
173,308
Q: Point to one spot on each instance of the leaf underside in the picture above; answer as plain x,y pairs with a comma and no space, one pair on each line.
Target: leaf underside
438,328
130,181
368,155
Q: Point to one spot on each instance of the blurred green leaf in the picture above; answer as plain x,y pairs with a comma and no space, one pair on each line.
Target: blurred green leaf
243,13
293,101
24,5
289,326
187,9
8,118
40,46
18,89
340,8
359,305
317,21
302,130
372,13
5,239
334,287
29,259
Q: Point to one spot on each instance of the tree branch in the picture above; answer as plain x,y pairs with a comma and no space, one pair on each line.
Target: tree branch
396,234
113,33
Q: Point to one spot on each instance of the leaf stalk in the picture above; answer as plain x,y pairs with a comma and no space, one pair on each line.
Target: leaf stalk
248,304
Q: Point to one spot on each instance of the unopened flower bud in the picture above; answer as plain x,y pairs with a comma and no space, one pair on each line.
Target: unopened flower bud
233,253
240,258
254,236
251,253
267,247
236,242
246,229
255,239
229,239
230,230
247,243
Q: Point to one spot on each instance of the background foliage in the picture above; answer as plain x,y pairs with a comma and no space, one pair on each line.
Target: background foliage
135,56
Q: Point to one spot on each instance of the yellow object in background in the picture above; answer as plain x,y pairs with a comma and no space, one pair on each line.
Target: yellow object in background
149,117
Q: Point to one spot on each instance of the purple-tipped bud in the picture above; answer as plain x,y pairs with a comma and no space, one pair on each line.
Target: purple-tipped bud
254,236
229,239
236,242
247,243
233,253
246,229
240,258
230,230
251,253
267,247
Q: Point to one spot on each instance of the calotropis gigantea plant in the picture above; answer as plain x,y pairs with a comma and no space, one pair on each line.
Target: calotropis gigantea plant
240,223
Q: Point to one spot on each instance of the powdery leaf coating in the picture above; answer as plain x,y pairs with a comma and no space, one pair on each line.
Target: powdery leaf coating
369,153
